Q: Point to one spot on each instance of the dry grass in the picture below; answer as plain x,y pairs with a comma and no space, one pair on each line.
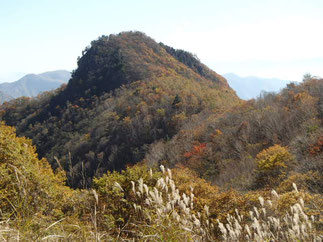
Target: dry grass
265,224
162,213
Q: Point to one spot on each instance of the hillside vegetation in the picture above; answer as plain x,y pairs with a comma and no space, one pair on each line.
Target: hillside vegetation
225,148
127,93
146,143
146,204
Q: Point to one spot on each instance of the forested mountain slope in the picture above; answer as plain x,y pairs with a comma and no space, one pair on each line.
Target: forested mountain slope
227,148
127,92
238,170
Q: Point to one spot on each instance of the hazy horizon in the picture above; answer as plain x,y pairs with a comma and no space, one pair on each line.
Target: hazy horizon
268,39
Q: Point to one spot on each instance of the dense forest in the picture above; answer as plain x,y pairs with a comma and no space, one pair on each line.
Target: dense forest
147,143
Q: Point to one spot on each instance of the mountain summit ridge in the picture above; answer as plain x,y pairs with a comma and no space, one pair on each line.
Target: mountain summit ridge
114,60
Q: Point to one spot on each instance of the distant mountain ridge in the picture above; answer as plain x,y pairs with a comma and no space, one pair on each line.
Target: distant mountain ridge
251,86
4,97
11,76
31,85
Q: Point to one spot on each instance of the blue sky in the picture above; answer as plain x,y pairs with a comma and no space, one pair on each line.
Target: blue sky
276,38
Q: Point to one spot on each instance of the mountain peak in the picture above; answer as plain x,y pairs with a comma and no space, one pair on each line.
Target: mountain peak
114,60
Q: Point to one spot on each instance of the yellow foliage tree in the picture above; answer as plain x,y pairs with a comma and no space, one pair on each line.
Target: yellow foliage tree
28,186
272,165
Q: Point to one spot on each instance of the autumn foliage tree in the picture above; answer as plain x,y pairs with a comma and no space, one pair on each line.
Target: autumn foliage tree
28,185
272,165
